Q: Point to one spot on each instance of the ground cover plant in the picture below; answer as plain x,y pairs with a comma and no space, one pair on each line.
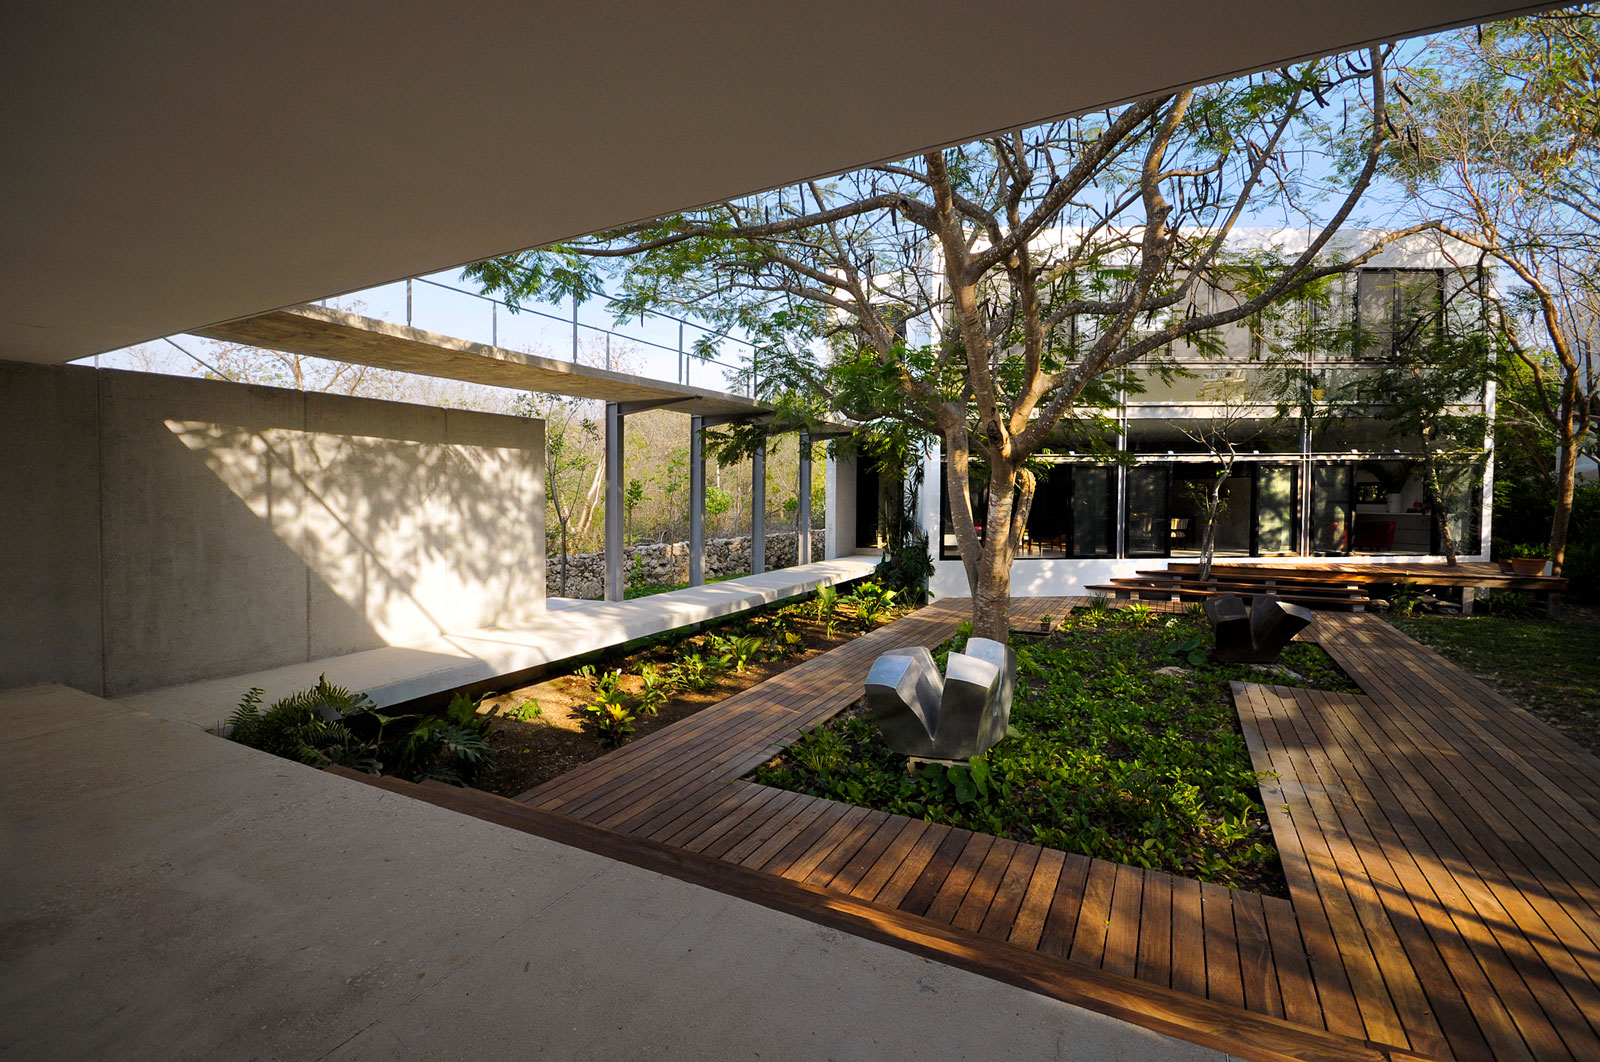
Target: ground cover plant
1125,747
543,730
329,724
1551,667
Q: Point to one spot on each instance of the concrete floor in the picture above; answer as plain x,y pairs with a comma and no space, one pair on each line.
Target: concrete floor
166,894
569,628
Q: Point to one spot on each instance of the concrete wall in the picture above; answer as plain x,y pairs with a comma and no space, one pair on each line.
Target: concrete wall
839,483
169,529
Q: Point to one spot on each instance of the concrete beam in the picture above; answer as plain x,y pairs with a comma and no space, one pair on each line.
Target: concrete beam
614,574
802,553
758,510
697,501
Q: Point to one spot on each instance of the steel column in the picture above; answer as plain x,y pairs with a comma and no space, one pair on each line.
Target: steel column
697,502
802,553
758,509
614,573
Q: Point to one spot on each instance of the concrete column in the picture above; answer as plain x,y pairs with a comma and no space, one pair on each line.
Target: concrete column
758,510
697,501
802,554
614,582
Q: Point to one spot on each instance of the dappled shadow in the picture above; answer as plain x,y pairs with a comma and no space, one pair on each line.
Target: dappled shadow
419,522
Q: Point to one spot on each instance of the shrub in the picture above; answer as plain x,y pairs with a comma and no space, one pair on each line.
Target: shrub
329,724
307,727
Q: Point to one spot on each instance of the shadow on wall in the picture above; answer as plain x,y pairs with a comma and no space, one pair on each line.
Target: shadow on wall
248,527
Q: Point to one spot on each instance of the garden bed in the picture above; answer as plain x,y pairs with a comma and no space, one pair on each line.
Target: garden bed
546,729
1126,747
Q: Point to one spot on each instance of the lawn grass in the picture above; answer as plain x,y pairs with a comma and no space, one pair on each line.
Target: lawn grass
1109,758
1550,667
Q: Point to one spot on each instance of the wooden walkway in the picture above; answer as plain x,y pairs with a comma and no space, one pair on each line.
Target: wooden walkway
1441,848
1448,842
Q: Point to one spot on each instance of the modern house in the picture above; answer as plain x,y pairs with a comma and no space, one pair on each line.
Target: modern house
168,894
1283,406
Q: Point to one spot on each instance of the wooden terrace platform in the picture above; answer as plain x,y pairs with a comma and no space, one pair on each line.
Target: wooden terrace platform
1442,849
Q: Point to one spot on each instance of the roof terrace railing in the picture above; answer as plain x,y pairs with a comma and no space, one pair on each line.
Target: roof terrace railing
436,306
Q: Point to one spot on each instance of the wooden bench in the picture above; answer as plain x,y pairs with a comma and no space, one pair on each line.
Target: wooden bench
1467,577
1194,590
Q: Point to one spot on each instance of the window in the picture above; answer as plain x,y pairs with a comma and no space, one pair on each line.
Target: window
1393,304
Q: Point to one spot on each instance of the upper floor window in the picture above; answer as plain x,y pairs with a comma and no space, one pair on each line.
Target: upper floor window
1394,305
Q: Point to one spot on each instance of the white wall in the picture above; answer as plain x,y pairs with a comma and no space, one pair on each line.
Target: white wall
839,481
181,529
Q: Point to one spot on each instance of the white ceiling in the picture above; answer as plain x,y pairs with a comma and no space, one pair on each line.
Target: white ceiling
169,166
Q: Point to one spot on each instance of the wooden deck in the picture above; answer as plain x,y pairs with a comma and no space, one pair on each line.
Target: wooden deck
1441,848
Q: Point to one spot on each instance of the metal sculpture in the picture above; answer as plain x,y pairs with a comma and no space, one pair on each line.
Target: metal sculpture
954,717
1255,635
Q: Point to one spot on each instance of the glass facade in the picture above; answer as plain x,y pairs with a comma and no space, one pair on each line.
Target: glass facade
1337,481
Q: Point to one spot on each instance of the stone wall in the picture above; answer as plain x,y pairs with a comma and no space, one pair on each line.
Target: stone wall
667,563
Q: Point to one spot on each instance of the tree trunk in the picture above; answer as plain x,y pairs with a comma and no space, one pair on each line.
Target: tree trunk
1208,544
1566,484
1441,518
991,591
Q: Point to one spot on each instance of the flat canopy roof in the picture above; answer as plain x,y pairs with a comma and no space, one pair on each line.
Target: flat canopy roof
167,169
319,332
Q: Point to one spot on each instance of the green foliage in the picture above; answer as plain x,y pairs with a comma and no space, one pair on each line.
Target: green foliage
655,686
307,727
1107,758
735,652
526,712
871,602
609,715
1191,649
693,673
1139,614
1405,599
329,724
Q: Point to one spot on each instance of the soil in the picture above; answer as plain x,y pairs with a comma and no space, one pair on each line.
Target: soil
557,740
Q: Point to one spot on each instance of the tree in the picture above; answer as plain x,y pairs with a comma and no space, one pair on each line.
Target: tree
983,294
631,498
1222,433
567,462
1431,388
1502,146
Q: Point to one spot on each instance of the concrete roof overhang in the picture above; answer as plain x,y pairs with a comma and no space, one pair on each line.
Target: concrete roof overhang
171,168
323,333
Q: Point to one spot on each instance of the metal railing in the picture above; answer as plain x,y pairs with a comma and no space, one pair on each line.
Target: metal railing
638,354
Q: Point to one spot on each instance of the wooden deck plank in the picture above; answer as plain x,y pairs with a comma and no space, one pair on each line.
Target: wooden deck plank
1189,938
1122,924
1155,931
1442,849
1001,917
1066,904
1257,970
1094,917
985,886
1224,981
946,901
1041,889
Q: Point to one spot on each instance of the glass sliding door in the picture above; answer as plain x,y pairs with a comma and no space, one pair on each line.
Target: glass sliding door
1277,513
1332,507
1094,502
1148,522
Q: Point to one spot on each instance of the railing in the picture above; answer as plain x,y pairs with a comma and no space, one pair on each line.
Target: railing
651,350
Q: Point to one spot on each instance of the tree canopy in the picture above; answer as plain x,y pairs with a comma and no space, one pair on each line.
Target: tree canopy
984,294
